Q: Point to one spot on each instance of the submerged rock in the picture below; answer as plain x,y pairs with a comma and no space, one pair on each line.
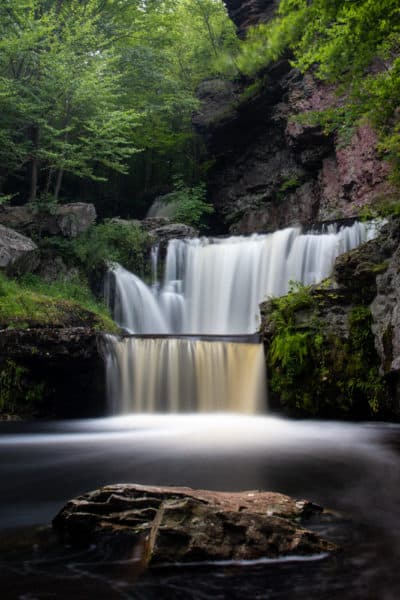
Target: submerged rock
172,524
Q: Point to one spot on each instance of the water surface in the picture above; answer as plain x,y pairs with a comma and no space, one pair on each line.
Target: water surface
351,469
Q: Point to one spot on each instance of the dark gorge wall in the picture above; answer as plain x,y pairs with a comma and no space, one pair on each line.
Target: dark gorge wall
245,13
266,170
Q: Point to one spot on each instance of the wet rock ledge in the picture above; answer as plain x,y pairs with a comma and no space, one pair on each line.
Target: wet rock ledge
175,524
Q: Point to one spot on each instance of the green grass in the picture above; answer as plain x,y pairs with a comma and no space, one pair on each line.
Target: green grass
30,302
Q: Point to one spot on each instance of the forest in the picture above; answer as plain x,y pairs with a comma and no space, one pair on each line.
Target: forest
199,297
97,96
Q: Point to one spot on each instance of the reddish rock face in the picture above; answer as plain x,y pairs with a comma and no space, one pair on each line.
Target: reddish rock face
269,171
354,177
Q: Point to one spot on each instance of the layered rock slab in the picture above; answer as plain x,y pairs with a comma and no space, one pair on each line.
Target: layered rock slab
171,524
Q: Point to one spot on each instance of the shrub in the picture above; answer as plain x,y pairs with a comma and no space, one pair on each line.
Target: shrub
191,204
113,241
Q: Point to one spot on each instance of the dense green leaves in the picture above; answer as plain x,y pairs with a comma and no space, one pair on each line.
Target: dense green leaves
60,109
353,44
85,84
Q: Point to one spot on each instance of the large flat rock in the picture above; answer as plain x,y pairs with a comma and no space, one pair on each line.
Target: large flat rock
173,524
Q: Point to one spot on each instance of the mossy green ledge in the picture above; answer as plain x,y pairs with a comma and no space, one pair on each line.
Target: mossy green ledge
323,343
52,362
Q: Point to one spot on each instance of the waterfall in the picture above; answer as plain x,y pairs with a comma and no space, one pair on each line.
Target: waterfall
182,375
210,287
214,286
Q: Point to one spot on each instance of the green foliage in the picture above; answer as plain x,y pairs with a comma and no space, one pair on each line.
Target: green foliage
381,208
18,395
31,302
60,94
191,204
44,204
289,184
86,84
314,371
112,241
355,46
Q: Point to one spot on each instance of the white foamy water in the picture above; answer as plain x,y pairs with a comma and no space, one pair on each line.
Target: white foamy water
210,287
214,286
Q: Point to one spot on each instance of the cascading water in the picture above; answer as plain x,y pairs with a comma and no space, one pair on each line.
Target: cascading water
211,287
183,375
214,286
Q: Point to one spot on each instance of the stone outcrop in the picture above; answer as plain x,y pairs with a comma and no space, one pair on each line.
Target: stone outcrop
268,169
68,220
52,372
15,248
169,525
386,321
350,325
245,13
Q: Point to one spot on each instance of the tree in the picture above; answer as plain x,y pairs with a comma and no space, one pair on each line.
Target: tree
353,44
85,84
59,98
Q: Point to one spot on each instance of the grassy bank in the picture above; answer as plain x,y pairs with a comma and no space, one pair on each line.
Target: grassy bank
30,302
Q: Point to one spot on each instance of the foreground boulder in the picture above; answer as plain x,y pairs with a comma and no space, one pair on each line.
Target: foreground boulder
172,524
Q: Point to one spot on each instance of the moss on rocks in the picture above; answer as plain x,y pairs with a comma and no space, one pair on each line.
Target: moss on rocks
321,357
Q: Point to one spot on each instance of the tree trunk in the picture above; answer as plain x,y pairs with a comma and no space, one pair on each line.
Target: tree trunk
49,180
58,183
34,166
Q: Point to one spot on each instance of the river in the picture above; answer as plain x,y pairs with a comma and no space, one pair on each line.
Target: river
352,469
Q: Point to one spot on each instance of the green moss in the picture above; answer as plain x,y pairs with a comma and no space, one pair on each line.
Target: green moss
388,206
253,90
290,184
314,371
18,394
31,302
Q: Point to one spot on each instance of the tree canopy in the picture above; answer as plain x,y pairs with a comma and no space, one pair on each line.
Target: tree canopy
353,44
87,84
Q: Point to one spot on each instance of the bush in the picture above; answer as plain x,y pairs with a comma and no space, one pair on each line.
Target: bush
125,243
191,204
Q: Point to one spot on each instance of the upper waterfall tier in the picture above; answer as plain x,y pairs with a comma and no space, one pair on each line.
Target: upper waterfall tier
214,286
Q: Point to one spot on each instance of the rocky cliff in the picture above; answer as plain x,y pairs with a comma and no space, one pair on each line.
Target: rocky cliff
245,13
268,170
334,349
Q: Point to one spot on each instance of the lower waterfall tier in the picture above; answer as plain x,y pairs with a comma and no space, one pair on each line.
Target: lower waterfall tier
179,375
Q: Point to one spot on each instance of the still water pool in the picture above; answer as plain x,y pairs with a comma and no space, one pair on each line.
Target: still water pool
354,470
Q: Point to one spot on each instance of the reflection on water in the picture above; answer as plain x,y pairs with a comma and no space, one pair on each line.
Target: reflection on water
351,469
